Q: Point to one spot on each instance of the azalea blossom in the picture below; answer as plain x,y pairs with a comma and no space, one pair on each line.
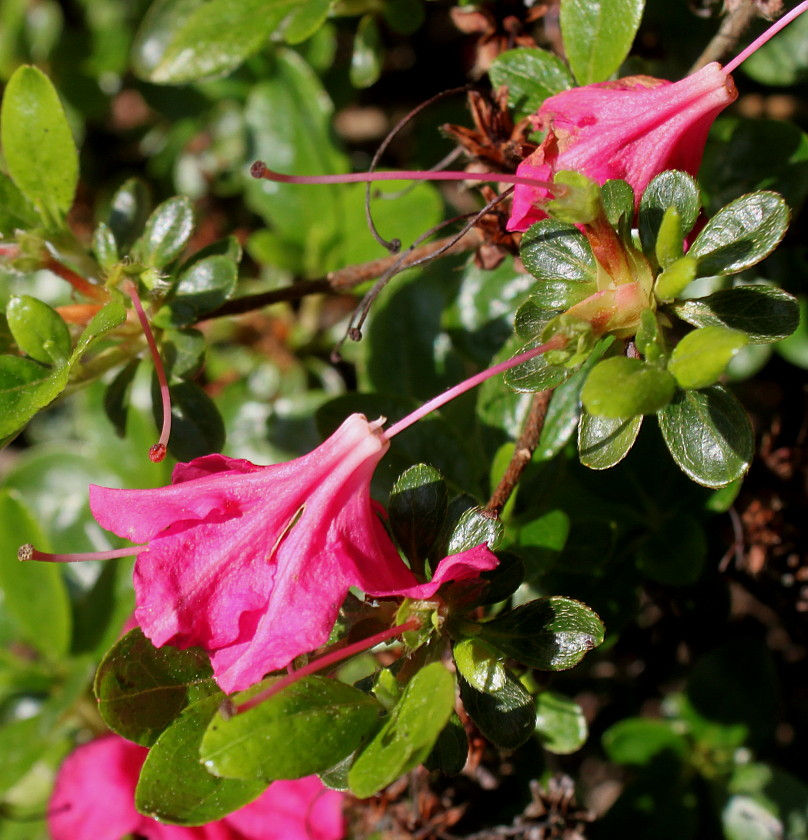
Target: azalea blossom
94,799
633,128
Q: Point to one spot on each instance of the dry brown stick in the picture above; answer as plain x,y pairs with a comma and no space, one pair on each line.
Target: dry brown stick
525,446
344,278
737,19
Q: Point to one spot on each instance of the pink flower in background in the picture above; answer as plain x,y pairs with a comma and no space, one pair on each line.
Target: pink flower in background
633,128
93,799
252,563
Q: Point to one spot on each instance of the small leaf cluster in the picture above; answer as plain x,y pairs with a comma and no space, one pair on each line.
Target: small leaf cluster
655,367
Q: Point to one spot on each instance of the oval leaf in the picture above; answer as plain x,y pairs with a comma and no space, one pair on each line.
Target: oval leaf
418,504
38,145
703,355
741,234
305,729
505,716
141,688
669,189
708,435
531,75
167,232
598,35
605,441
407,737
621,387
560,723
40,332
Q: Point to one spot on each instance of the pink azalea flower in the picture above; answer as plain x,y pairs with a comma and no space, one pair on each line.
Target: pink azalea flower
633,128
93,799
252,563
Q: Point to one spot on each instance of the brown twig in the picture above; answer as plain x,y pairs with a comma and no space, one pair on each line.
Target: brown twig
525,446
344,278
737,19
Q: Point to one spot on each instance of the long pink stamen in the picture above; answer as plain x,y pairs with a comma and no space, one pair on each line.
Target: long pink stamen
324,661
28,552
158,451
555,343
769,33
260,170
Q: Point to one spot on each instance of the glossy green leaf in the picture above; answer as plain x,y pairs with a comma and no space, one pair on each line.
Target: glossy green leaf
417,510
560,257
668,189
305,20
129,211
168,230
531,75
505,716
598,35
560,723
203,287
193,796
552,634
409,733
700,358
620,387
708,435
105,247
197,425
34,594
536,374
184,40
16,212
25,388
479,666
183,352
764,313
451,749
306,728
38,146
111,315
741,234
617,198
38,330
473,528
366,61
141,689
605,441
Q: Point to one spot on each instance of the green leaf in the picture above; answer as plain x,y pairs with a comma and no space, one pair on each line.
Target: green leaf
112,315
38,330
34,594
617,198
306,728
506,716
669,189
766,803
366,61
185,40
305,20
105,247
38,146
409,733
26,387
479,666
764,313
167,232
129,211
203,287
451,750
560,723
598,35
741,234
473,528
141,689
194,796
674,553
708,435
620,387
604,441
783,61
552,634
670,238
16,212
531,75
639,740
183,352
417,510
676,278
560,256
536,374
703,355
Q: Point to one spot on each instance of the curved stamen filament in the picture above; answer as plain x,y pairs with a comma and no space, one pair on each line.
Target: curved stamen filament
260,170
158,451
325,661
28,552
555,343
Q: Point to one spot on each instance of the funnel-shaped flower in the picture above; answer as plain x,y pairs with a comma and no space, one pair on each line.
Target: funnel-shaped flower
94,799
632,128
252,563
